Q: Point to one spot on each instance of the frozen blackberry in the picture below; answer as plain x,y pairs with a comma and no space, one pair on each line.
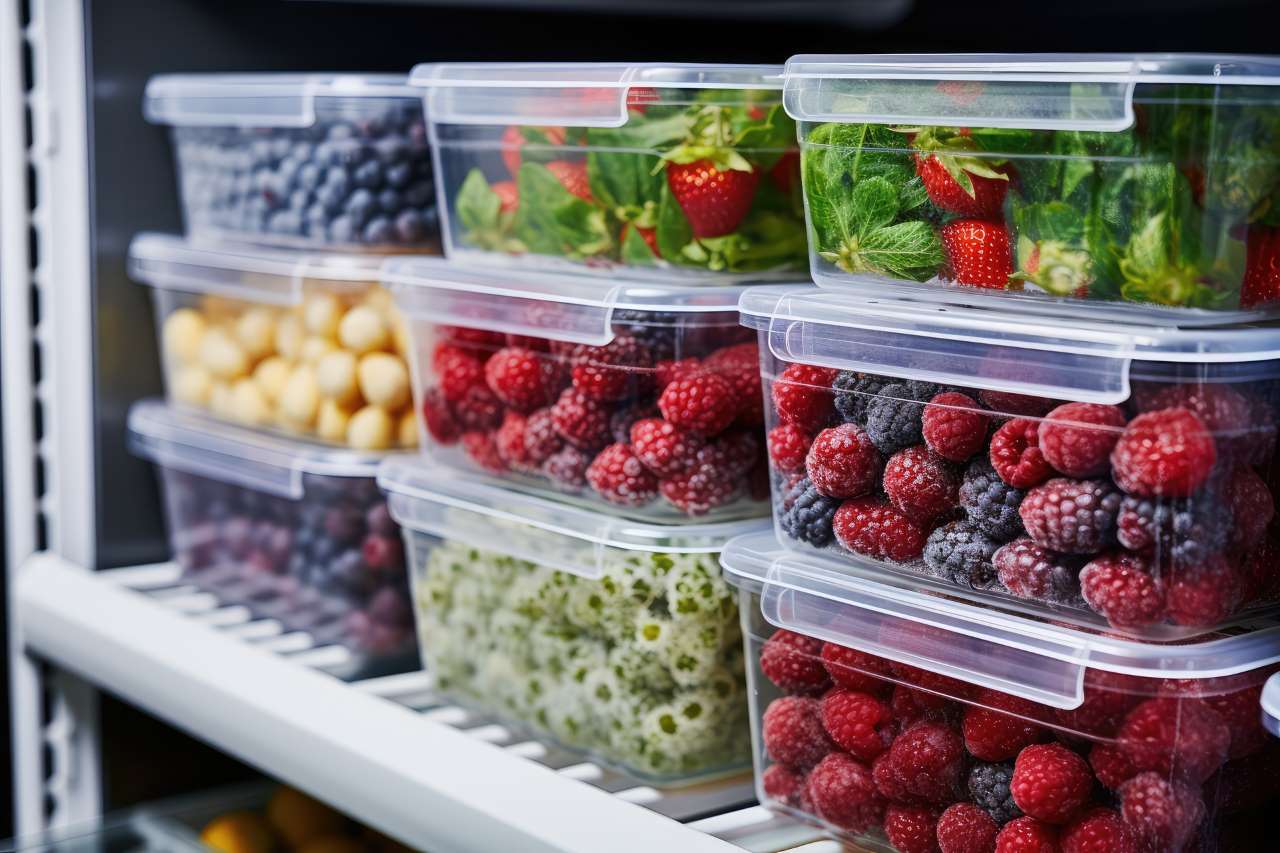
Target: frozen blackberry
854,393
893,417
808,515
990,503
962,553
1177,532
657,329
989,788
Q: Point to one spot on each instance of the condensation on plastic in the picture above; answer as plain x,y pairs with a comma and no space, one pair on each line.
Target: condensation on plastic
436,501
1080,360
1034,91
1036,660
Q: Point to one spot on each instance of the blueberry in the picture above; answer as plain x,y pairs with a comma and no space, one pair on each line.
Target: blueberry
410,227
378,520
389,201
322,549
391,150
287,223
323,154
350,152
260,151
399,174
280,147
299,200
368,175
340,131
309,176
419,194
302,151
287,171
360,206
378,230
331,197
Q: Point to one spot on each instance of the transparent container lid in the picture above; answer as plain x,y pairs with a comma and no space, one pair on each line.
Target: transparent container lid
576,94
254,274
1041,356
197,444
260,100
439,502
1037,660
1025,90
517,302
1271,704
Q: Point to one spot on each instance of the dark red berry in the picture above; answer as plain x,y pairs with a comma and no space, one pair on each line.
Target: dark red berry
954,427
1077,438
1015,454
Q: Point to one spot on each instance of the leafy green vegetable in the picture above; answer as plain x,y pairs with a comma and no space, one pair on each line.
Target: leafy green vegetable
552,220
635,251
476,206
765,142
673,229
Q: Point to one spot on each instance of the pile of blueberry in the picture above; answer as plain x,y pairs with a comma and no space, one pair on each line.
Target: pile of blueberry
346,180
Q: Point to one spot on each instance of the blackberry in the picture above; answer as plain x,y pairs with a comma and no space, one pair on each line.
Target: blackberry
990,503
893,417
809,514
962,553
1072,516
620,421
989,788
854,393
1177,532
656,329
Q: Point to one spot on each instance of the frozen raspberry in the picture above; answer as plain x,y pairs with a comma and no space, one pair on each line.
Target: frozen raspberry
990,504
1029,571
1174,532
792,732
843,463
476,342
809,515
895,417
457,370
1027,835
927,760
1050,782
873,528
1163,812
788,446
1071,516
1228,415
436,414
910,705
1009,403
961,553
582,422
919,484
844,795
989,789
911,829
1165,453
997,726
857,722
620,478
889,783
1204,595
540,436
1015,454
1236,699
855,670
740,365
922,682
1098,830
854,392
567,468
482,450
664,448
785,785
1121,587
1252,507
621,421
666,371
802,396
1108,696
733,453
478,410
509,442
1111,765
1182,737
703,403
794,662
1076,438
954,426
711,482
613,371
965,828
520,378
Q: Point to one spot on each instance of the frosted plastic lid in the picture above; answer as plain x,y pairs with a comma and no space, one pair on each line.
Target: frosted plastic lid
241,272
1025,90
560,306
260,100
437,501
197,444
577,94
1039,661
1271,704
993,349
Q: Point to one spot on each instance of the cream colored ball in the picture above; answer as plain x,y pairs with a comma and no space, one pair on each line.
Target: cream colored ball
300,398
249,405
256,332
314,349
363,330
222,356
401,339
384,381
289,337
271,374
331,421
191,385
407,431
370,429
220,399
379,299
183,331
321,314
336,377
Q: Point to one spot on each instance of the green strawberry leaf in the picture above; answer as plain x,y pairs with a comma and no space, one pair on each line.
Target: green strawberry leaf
906,250
875,205
553,221
673,229
766,141
1007,140
912,195
1050,221
476,205
636,252
622,180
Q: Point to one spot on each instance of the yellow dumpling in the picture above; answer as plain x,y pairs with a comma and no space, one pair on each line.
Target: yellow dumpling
222,356
183,331
384,381
363,330
300,398
336,377
370,429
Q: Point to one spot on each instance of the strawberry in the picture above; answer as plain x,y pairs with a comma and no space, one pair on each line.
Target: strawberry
978,252
508,196
1261,283
1055,267
785,174
714,200
649,235
572,176
984,199
640,97
514,138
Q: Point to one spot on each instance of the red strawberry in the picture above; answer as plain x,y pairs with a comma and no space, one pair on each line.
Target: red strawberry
572,176
785,174
978,252
1261,283
508,196
514,138
714,200
985,202
649,235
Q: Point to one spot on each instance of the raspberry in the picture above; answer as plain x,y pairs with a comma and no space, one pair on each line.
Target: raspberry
919,484
844,794
1071,516
509,442
1030,571
873,528
792,732
700,489
1182,737
1076,438
733,453
855,670
809,515
802,396
990,503
478,409
613,371
965,828
925,684
540,436
1166,452
703,403
1110,765
1050,782
740,365
894,418
953,426
1226,413
1236,701
1160,811
858,723
582,422
1173,532
1098,830
664,448
927,760
1009,403
997,726
782,784
1108,696
854,392
888,782
961,553
989,789
482,450
476,342
521,378
620,478
621,421
1203,596
788,446
911,829
457,370
1258,571
1121,587
793,662
567,468
666,371
441,425
1027,835
1252,507
843,463
1015,454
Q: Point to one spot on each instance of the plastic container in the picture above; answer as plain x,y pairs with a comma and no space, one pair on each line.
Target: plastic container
1271,705
875,709
667,170
614,639
295,532
539,380
308,345
1130,186
1133,469
334,161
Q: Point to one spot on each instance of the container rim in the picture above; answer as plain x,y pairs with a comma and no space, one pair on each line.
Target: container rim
595,75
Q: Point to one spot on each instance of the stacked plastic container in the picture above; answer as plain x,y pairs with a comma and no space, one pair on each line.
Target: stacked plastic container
1022,587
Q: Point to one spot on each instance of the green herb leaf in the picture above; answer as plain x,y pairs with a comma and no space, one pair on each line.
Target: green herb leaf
673,229
635,251
476,205
553,221
1050,221
906,250
875,205
764,142
622,179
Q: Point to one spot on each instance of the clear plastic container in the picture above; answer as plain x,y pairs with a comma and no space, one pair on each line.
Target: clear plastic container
334,161
293,531
611,638
1271,705
882,714
1109,476
586,390
666,170
308,345
1129,186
